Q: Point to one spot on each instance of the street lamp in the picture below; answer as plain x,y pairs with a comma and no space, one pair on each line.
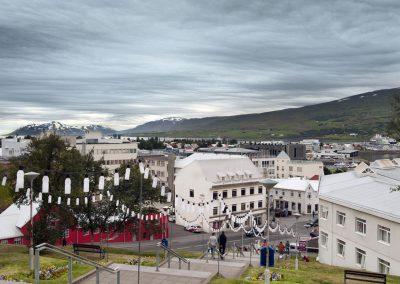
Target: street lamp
268,184
31,177
296,261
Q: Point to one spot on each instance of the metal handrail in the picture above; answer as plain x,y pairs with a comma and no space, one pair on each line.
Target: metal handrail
70,255
169,252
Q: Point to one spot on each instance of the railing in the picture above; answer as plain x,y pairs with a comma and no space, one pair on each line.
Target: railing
71,256
207,254
168,257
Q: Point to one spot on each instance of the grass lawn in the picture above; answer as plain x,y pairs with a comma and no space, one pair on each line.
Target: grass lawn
14,262
308,273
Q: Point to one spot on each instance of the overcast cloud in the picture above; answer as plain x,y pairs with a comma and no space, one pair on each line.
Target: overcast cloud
122,63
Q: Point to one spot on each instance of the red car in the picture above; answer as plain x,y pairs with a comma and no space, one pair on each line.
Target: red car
194,229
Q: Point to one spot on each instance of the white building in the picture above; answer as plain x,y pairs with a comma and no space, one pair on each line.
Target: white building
296,195
14,147
201,178
266,166
287,168
114,151
359,219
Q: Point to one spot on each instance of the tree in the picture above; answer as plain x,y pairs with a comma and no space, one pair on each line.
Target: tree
52,156
393,127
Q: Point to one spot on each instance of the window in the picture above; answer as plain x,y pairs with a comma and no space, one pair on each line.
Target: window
361,226
191,193
383,234
341,245
324,239
66,233
299,169
260,204
4,242
290,168
340,218
276,192
225,194
324,212
215,195
360,257
383,266
234,192
234,208
299,194
243,191
283,192
243,206
215,211
251,205
18,241
291,193
260,190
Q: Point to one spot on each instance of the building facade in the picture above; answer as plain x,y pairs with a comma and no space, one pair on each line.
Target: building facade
288,168
161,164
113,151
204,178
359,218
13,147
296,195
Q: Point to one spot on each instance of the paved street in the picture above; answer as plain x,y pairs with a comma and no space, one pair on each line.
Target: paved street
181,239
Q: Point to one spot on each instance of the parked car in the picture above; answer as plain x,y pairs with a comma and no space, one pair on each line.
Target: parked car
311,224
194,229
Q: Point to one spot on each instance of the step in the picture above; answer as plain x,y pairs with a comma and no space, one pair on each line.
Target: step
149,275
228,269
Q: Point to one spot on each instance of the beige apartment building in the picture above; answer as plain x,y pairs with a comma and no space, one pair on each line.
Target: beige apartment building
161,164
113,151
287,168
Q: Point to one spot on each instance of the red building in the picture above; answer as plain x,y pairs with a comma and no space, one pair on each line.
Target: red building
14,228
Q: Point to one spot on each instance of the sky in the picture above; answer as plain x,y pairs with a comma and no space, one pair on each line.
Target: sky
123,63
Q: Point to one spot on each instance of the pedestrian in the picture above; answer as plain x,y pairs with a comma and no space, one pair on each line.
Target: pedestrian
222,244
212,244
281,248
64,242
287,247
313,214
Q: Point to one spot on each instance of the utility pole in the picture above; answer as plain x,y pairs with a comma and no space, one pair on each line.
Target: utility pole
31,177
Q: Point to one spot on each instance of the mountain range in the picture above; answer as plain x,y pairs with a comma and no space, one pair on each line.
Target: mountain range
361,115
61,129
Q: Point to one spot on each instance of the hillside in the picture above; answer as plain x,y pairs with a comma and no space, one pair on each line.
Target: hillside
364,114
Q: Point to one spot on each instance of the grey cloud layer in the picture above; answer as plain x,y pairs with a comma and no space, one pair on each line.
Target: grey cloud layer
120,64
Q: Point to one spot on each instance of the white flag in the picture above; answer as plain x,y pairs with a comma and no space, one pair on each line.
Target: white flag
163,190
59,200
169,197
146,173
141,167
116,179
4,181
49,199
68,201
45,184
77,201
127,173
86,184
67,186
20,180
155,181
101,182
86,200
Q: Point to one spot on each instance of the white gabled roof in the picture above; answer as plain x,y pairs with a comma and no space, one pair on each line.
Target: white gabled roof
225,165
366,191
14,218
181,163
297,184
